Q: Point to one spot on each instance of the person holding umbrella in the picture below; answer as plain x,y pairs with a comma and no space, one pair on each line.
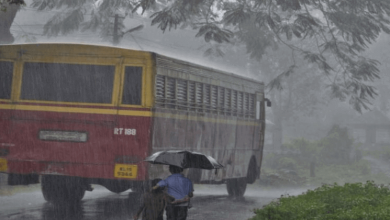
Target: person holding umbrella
181,189
177,185
153,203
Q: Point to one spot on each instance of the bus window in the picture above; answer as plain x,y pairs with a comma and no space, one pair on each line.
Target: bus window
6,69
132,88
64,82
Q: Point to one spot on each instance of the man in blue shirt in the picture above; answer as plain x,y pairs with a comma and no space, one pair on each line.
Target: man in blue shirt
181,189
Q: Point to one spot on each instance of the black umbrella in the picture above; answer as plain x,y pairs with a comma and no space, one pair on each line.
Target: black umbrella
184,159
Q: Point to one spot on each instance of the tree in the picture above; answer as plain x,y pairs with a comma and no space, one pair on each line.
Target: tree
340,30
8,10
301,95
379,51
105,16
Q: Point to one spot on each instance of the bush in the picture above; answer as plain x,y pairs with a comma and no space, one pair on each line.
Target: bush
306,148
331,202
287,163
386,153
335,148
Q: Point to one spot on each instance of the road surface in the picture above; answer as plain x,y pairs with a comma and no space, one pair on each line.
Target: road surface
210,202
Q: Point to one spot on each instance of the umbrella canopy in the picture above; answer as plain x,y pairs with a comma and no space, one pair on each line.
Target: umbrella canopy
184,159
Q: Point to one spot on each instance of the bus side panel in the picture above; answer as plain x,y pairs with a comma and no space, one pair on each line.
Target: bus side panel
244,142
205,126
218,136
169,130
167,134
225,140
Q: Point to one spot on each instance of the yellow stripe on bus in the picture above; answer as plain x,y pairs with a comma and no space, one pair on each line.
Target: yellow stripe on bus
77,110
206,119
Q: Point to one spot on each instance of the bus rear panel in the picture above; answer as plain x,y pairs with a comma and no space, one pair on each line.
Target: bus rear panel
63,112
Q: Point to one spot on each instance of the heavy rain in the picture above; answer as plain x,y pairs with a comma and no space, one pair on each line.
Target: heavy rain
196,109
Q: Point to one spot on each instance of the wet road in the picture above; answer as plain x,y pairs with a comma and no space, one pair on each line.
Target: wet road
210,202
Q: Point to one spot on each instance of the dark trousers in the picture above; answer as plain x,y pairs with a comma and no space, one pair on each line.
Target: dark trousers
176,212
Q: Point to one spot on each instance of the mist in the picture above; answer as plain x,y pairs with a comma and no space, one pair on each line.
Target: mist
312,136
303,109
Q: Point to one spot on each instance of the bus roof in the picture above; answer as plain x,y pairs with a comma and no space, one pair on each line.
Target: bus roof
16,50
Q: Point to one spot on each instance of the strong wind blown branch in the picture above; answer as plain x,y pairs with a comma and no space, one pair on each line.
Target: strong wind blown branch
339,30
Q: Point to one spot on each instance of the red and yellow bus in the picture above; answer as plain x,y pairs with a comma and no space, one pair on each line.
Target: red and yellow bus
73,115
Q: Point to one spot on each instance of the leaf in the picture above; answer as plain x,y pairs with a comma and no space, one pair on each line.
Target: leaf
145,5
276,17
287,30
44,4
289,4
235,16
270,22
306,21
214,51
297,33
259,3
168,18
277,82
214,33
64,23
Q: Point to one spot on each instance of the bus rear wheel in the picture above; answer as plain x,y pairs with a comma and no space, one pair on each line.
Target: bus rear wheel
61,190
236,187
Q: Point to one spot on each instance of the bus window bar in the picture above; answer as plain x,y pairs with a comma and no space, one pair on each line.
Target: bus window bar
201,97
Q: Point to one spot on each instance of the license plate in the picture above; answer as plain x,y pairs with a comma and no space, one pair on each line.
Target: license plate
3,164
125,171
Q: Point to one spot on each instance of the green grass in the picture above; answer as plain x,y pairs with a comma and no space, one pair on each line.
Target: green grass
328,174
354,172
357,201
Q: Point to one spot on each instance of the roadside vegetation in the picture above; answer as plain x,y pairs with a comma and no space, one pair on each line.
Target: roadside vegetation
332,159
331,202
345,186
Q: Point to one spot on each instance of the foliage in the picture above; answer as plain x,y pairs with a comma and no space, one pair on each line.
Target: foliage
330,35
5,3
336,147
338,31
359,171
386,153
331,202
333,158
305,147
287,162
94,15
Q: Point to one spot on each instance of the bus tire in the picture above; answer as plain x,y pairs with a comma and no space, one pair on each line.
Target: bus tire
236,187
61,190
252,171
116,186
